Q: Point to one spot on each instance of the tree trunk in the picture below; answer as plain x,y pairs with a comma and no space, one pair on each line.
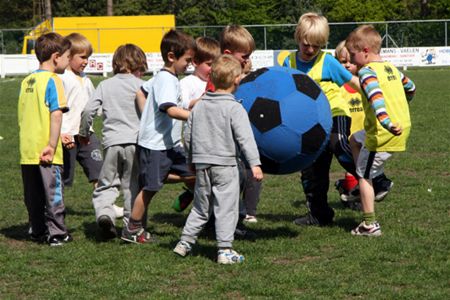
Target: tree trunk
48,9
109,7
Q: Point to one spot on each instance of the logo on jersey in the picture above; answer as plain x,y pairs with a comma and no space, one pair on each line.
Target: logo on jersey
30,84
355,105
390,73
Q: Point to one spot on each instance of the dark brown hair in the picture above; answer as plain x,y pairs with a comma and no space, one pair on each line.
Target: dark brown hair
176,42
50,43
129,58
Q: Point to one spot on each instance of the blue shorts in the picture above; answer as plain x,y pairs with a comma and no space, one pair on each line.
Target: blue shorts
155,166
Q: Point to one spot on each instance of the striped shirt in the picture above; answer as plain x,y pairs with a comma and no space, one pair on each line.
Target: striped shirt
371,88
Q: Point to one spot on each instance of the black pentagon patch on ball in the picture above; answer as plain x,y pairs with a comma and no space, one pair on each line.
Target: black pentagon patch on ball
253,75
265,114
313,139
268,165
307,86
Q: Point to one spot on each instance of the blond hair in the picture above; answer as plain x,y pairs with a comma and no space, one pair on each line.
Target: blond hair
236,38
340,50
365,36
129,58
80,44
206,48
224,71
313,29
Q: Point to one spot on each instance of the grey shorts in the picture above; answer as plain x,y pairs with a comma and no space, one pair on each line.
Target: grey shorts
88,156
155,166
370,164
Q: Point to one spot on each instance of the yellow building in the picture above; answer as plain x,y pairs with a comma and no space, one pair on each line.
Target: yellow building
107,33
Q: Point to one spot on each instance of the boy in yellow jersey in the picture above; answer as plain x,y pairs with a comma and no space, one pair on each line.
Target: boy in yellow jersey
311,35
386,92
41,105
348,187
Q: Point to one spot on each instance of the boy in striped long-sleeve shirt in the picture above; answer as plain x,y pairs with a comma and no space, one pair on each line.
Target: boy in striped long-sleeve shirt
386,93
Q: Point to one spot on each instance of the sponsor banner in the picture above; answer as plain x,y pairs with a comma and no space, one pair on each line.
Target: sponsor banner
21,64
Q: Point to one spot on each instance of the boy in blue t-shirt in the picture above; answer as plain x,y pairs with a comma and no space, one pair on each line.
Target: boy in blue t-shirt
158,151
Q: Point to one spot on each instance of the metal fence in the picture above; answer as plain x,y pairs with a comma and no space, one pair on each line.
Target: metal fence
412,33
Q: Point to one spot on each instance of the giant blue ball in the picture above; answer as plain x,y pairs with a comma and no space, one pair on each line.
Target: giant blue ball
290,117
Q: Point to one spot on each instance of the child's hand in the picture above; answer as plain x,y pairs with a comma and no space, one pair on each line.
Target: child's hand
83,140
257,173
47,155
67,141
396,129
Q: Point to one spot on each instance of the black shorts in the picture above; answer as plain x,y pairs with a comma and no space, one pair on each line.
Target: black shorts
155,166
88,156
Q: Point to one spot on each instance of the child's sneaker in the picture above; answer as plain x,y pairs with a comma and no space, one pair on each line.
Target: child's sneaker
139,236
182,248
382,189
56,241
250,219
107,228
367,230
183,200
228,257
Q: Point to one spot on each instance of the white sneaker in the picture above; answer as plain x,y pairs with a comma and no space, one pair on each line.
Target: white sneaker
118,211
228,257
250,219
367,230
182,248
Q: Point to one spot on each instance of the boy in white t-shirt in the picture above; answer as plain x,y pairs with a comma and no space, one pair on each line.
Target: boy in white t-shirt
194,85
78,88
192,88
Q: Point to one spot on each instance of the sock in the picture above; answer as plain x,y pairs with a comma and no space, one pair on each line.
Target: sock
134,224
369,218
350,182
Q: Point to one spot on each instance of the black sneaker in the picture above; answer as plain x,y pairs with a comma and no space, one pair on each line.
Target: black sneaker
382,188
310,220
107,228
243,233
56,241
39,238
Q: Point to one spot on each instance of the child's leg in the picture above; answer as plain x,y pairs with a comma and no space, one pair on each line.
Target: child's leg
34,196
225,198
69,156
251,193
108,185
90,157
367,199
129,176
55,210
140,206
339,143
201,209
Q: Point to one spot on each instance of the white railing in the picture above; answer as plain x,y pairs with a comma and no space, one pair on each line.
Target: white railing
17,64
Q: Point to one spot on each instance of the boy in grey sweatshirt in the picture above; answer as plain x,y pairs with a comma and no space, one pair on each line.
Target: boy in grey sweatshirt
218,129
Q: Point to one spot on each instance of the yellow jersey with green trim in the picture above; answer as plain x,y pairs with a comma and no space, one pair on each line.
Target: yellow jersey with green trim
377,137
354,102
41,93
330,88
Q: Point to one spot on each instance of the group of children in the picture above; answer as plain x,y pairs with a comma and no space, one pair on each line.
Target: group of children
194,131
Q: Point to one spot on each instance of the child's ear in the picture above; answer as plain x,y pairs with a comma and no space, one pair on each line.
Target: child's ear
171,56
226,51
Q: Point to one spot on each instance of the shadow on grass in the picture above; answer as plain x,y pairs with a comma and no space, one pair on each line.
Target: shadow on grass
199,249
16,232
70,211
176,219
92,233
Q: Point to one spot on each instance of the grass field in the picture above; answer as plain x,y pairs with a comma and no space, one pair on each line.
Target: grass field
410,260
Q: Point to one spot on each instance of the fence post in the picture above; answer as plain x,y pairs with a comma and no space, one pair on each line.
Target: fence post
387,36
445,24
265,38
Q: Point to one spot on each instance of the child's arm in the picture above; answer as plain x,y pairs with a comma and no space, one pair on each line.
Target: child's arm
178,113
257,173
374,94
408,86
88,114
141,98
46,156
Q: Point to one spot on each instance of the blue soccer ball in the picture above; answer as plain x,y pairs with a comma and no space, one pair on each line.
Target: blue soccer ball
290,117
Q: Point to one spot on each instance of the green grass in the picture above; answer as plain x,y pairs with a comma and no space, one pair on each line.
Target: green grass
410,260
